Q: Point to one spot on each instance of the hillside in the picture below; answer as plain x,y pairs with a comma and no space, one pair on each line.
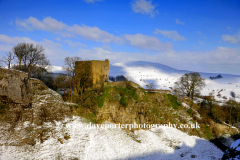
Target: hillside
164,77
50,133
47,135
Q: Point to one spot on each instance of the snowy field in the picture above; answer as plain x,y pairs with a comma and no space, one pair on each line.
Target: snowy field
115,143
164,77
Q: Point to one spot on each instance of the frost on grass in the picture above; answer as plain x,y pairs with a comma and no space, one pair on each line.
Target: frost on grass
68,140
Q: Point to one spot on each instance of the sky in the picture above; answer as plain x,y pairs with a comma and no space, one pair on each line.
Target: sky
199,35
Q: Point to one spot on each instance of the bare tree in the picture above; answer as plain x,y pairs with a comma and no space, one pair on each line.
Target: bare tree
84,80
238,114
21,51
190,84
70,65
70,68
8,59
150,86
231,104
36,58
32,57
62,82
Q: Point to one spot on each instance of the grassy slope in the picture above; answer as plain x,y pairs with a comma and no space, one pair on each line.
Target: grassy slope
157,108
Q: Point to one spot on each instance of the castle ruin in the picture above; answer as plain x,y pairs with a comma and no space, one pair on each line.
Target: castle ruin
92,73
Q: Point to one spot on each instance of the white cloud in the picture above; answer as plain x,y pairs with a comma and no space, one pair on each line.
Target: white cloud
170,34
179,22
208,61
106,46
226,55
100,54
229,27
48,24
5,48
146,42
52,50
15,40
91,1
232,39
74,44
199,32
66,34
202,43
51,24
144,7
58,39
94,33
222,59
196,47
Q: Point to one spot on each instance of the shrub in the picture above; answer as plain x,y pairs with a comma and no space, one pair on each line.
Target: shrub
3,110
100,100
124,99
173,101
190,111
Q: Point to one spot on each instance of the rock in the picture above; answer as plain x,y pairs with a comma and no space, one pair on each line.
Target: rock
14,85
28,100
233,152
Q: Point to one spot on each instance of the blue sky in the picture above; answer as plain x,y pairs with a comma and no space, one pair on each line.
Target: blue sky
193,35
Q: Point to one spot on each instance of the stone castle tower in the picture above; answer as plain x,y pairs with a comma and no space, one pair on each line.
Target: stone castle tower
93,73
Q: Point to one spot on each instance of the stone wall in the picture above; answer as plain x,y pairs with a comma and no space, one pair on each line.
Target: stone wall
122,84
94,73
100,71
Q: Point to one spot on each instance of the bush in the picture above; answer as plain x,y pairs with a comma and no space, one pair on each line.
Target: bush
3,110
121,94
173,101
100,100
190,111
124,99
233,94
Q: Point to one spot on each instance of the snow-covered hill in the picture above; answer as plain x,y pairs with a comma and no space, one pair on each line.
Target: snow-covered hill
115,143
164,77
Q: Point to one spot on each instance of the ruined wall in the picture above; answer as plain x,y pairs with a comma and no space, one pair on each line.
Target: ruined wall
100,71
122,84
93,73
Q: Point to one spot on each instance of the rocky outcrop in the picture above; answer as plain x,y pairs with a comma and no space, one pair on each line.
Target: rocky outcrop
30,102
29,98
143,110
14,85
